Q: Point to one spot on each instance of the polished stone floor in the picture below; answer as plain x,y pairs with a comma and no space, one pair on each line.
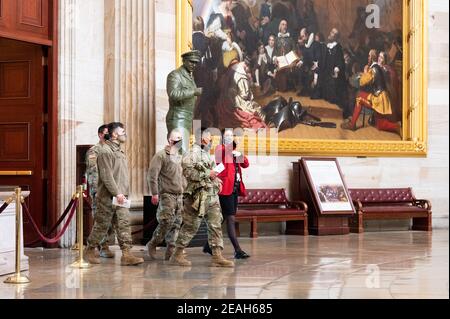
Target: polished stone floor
372,265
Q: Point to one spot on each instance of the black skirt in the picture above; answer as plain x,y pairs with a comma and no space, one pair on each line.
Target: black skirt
229,204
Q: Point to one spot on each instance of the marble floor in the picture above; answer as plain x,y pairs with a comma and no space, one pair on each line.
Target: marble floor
372,265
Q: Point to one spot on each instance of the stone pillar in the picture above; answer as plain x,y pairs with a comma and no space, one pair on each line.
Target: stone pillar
129,83
66,113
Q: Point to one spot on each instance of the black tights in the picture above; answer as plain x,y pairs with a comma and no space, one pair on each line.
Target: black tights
231,230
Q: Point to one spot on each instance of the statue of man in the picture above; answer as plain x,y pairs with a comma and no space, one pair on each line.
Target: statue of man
183,93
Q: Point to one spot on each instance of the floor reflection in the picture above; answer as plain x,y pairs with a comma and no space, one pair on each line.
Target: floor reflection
371,265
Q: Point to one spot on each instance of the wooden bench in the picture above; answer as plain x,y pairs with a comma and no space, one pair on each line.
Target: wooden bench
389,203
270,205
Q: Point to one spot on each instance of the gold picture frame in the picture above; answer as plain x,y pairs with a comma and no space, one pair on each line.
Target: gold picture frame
415,98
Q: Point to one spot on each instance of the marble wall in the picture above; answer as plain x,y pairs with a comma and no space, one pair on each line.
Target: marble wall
428,176
82,98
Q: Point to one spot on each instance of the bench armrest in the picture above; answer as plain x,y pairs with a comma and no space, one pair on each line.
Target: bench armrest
299,205
424,203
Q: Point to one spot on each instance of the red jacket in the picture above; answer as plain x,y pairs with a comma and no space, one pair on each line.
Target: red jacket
227,176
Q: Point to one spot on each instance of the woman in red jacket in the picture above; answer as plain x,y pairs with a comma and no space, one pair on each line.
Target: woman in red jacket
232,186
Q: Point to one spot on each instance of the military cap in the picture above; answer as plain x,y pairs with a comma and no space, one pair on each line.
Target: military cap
193,55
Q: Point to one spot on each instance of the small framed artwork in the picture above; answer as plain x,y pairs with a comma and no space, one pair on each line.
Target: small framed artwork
327,186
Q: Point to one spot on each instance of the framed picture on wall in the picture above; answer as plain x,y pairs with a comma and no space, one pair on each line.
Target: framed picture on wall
329,77
326,183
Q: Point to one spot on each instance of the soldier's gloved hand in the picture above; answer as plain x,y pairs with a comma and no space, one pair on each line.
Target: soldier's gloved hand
155,199
121,199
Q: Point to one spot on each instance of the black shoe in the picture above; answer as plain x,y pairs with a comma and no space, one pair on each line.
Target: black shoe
241,255
207,249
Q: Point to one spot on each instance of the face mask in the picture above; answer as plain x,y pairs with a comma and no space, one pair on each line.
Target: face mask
206,147
227,140
122,138
178,144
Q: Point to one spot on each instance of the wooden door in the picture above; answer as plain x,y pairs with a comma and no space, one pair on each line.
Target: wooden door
28,20
22,125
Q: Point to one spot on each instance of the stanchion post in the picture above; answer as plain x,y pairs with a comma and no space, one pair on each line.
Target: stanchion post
80,263
17,278
76,246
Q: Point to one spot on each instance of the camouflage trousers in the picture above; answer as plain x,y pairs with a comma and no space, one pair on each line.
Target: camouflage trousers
169,216
106,216
110,238
191,222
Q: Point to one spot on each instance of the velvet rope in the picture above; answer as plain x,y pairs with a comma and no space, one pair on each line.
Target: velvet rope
60,234
60,220
3,207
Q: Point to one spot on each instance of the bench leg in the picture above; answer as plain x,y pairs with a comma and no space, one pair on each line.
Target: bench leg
356,223
254,228
422,223
305,226
236,228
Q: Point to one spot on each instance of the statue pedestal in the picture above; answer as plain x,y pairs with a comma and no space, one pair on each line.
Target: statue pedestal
8,239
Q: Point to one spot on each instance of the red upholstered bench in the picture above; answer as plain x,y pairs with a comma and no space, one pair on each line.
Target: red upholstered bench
270,205
389,203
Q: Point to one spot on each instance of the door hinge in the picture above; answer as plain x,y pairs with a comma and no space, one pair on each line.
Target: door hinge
44,174
44,61
45,117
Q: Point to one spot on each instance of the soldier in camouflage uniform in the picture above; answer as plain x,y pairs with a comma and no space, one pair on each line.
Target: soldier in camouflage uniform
166,183
92,177
112,182
201,201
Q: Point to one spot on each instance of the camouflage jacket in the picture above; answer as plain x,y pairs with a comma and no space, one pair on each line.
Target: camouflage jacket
197,166
112,171
91,168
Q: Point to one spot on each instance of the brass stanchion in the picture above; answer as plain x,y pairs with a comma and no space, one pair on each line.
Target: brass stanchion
76,246
80,263
17,278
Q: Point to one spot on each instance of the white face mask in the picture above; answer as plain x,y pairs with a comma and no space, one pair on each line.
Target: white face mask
227,140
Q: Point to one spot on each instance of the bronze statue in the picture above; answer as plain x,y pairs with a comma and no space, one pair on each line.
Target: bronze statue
183,93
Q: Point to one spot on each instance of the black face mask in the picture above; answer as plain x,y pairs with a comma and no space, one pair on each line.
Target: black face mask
178,144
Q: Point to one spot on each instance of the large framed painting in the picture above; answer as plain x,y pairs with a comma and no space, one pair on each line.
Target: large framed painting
304,77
